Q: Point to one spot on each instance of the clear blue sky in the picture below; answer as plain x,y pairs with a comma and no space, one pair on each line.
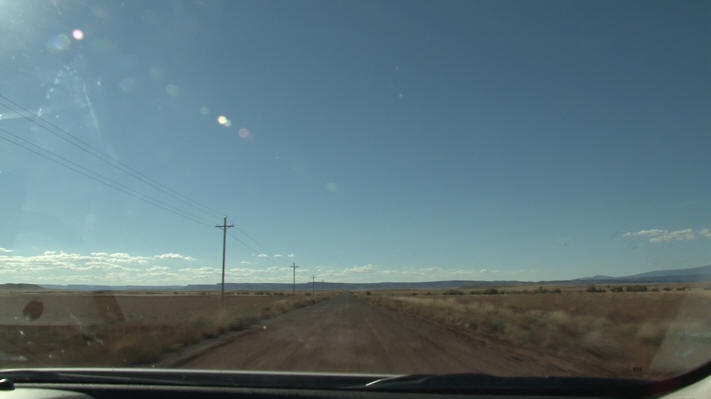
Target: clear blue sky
383,140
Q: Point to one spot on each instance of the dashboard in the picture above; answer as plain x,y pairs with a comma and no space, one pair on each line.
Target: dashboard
57,390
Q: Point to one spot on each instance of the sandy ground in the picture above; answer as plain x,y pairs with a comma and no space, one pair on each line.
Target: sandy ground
346,334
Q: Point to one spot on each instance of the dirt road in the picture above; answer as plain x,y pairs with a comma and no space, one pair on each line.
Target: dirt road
347,334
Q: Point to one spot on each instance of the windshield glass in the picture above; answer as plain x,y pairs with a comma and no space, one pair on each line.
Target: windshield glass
514,188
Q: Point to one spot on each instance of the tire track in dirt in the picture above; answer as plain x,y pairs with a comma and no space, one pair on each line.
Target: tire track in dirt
347,334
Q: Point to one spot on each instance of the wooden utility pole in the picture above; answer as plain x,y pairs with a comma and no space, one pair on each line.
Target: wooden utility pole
224,228
293,287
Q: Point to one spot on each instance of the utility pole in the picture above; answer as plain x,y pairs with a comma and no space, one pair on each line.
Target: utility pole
224,228
293,287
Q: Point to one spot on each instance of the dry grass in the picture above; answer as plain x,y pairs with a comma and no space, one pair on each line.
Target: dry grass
84,329
632,334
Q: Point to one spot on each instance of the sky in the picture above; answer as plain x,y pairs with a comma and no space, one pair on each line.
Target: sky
362,140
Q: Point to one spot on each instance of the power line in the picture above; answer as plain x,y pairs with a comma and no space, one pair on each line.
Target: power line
88,173
242,242
262,247
87,148
82,145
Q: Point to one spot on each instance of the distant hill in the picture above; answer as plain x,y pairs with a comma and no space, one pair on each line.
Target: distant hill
433,285
597,277
687,275
20,287
86,287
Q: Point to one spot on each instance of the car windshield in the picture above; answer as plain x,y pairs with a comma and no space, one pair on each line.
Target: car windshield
513,188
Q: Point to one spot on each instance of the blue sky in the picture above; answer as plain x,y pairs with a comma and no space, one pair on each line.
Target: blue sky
363,140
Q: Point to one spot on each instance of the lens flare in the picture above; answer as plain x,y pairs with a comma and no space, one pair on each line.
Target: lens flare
172,90
78,34
59,43
99,12
224,121
332,187
157,73
127,85
244,133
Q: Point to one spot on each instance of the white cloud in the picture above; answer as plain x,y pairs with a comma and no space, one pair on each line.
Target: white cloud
59,267
6,251
706,233
172,255
121,268
277,255
201,271
262,256
659,235
291,255
373,273
359,269
645,233
678,235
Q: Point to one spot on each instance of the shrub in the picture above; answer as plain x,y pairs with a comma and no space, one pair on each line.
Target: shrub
617,289
636,288
453,292
489,291
593,288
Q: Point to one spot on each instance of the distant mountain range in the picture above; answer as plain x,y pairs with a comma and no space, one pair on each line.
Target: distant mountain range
20,287
285,286
688,275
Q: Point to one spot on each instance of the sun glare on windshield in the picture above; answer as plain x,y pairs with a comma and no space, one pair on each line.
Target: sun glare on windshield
389,187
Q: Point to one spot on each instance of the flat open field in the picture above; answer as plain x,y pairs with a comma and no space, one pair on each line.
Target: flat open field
121,329
626,331
637,333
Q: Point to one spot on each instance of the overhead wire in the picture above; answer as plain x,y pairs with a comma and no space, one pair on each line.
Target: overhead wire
87,148
88,173
262,247
234,237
